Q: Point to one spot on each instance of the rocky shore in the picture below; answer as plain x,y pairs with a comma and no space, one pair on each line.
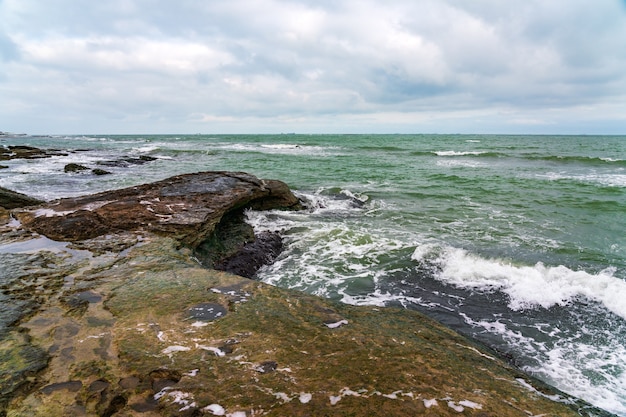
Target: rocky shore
113,305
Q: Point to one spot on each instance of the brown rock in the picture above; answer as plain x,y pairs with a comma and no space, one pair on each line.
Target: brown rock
26,152
186,207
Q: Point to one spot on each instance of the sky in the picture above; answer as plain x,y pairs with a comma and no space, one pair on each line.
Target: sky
305,66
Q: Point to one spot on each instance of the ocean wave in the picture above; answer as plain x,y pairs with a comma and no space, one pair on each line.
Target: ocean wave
386,148
527,286
146,149
576,159
614,179
467,153
324,256
573,359
278,148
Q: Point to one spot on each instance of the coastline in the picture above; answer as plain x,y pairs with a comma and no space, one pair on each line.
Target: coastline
122,326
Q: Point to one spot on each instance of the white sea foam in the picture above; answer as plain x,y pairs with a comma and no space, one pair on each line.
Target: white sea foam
471,404
577,363
459,153
146,149
460,163
613,179
527,286
336,324
279,148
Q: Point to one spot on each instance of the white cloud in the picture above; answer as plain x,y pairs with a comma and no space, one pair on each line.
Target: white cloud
174,57
245,64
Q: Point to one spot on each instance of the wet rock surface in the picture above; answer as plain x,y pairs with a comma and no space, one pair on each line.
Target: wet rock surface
27,152
127,323
12,199
186,207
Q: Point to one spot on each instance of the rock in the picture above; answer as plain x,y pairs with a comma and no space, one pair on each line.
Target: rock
263,250
26,152
74,168
124,162
5,216
235,248
98,171
11,199
186,207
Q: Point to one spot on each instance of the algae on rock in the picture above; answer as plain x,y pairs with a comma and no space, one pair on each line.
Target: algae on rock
128,323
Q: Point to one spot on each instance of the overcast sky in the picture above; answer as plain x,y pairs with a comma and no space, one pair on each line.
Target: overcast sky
305,66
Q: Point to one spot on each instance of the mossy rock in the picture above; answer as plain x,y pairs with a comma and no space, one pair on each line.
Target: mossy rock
74,168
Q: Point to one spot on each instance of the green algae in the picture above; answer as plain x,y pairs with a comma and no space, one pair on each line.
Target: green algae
136,351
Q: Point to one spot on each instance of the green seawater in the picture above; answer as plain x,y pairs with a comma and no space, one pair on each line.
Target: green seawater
517,241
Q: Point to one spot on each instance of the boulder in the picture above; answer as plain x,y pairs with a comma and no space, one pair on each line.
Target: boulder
186,207
74,168
12,199
98,171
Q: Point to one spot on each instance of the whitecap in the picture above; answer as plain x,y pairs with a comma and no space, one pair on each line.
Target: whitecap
559,285
146,149
458,153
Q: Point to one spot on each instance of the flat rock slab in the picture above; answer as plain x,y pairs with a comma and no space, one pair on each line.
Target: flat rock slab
185,207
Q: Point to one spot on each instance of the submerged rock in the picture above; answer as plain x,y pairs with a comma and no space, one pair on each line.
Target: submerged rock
124,162
26,152
98,171
75,168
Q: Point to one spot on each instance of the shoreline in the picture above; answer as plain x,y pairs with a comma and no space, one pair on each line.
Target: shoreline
124,325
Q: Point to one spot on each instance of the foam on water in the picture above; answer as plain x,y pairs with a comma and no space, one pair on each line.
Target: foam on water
325,257
614,179
576,360
458,153
279,148
558,285
146,149
330,251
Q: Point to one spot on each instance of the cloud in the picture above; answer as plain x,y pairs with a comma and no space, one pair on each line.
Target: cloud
154,65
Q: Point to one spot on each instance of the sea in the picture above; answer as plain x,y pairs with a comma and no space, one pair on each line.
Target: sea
518,242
